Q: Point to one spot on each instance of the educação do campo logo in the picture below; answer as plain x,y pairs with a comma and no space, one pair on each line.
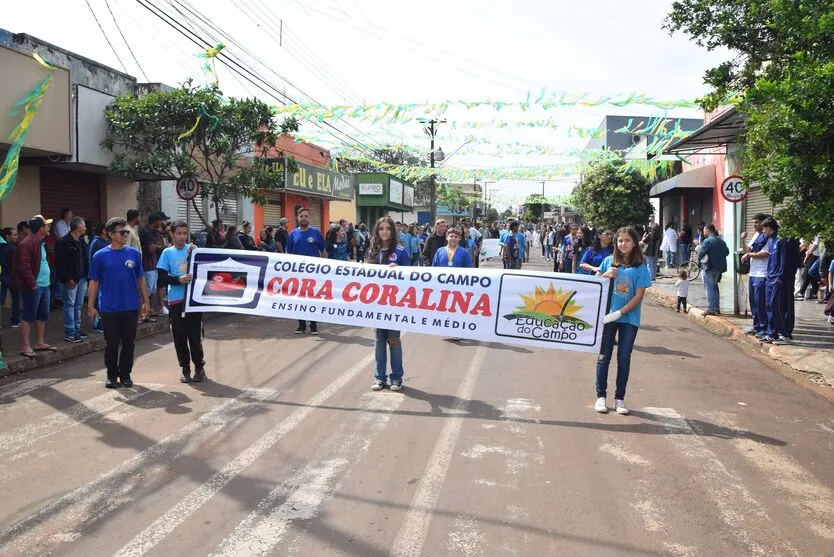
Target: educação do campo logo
550,307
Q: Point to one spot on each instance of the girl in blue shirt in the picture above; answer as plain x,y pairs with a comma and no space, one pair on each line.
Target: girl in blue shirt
385,250
592,258
453,255
629,279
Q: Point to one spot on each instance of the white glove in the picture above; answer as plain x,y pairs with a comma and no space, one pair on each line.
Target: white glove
611,317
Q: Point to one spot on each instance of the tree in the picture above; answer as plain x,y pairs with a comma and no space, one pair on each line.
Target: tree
783,77
193,131
611,196
492,215
534,207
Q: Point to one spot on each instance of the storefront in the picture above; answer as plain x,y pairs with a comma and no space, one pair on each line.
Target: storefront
686,197
379,193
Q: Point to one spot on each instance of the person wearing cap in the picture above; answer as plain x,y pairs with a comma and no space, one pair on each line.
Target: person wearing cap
31,276
153,243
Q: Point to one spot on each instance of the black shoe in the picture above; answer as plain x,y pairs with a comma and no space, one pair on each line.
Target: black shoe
185,376
111,383
126,381
314,330
199,375
300,330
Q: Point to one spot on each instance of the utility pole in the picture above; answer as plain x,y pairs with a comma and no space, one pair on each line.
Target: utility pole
431,131
542,219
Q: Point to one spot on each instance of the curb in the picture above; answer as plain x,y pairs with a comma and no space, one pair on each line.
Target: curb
95,343
720,326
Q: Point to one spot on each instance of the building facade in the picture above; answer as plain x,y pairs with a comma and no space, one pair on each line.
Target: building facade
380,194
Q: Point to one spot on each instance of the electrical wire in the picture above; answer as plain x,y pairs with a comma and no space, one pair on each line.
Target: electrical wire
106,3
105,36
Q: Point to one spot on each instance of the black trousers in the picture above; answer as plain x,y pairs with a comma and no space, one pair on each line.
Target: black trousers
119,331
303,324
187,329
681,302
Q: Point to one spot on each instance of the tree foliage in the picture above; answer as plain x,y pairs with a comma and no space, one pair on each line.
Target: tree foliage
534,207
783,75
610,196
148,135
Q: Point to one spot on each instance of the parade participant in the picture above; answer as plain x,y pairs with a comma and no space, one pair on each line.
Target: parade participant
339,248
306,240
117,281
453,254
414,245
186,328
630,278
777,283
435,242
757,254
577,250
385,250
593,257
511,253
72,265
31,277
565,248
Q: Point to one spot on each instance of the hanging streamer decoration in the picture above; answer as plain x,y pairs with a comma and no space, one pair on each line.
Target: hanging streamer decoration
29,104
210,54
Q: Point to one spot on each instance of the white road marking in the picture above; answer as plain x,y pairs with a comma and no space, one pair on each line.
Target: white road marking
303,495
812,498
737,508
26,386
179,513
412,534
466,539
515,459
106,493
613,448
62,420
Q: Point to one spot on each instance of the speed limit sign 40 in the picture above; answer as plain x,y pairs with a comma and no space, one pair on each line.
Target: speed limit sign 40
733,189
188,188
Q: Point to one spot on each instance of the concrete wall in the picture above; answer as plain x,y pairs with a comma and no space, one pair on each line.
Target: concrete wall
120,195
343,210
25,200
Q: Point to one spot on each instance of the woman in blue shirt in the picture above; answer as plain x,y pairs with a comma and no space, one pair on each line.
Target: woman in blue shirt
629,279
385,250
414,245
453,255
593,257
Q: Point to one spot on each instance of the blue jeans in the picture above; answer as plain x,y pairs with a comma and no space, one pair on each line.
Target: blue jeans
670,259
651,261
388,339
150,280
711,279
683,254
758,303
5,288
73,300
626,335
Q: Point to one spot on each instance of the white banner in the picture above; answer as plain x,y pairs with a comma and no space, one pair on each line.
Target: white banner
490,247
560,311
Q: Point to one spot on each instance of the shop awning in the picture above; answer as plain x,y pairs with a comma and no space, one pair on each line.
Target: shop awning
701,177
712,138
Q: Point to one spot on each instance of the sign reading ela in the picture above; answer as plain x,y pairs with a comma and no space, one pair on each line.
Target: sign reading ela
533,309
733,189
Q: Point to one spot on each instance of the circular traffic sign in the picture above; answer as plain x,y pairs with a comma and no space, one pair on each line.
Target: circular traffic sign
733,189
188,188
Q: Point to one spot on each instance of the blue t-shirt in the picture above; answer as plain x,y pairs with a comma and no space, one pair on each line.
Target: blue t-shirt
174,262
460,258
43,272
307,242
399,257
415,244
831,267
522,241
625,286
503,238
593,258
118,272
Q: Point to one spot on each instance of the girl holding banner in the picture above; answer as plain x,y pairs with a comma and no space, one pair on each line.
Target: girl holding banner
385,250
630,278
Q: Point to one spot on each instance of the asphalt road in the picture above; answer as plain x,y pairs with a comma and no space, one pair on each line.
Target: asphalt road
489,450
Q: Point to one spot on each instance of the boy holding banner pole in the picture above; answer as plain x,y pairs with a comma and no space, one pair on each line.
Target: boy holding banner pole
630,278
385,250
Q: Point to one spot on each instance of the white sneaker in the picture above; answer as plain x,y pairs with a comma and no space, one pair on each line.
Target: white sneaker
600,406
396,386
378,385
621,407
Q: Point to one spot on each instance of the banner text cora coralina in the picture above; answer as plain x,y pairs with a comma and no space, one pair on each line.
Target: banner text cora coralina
535,309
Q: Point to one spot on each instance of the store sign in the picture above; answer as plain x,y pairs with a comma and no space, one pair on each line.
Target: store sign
396,192
408,196
319,182
370,189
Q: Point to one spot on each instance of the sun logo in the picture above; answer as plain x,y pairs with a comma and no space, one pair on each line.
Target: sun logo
550,306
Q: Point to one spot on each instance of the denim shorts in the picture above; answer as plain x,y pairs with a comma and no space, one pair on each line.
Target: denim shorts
150,280
36,305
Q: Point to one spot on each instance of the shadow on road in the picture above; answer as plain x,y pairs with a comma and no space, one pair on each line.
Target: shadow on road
662,351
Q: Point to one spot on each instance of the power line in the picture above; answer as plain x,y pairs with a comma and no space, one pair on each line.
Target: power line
105,36
106,3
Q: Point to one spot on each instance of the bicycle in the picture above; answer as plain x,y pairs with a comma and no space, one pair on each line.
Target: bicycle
692,267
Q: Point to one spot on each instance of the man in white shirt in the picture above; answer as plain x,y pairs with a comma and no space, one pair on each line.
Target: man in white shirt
62,225
670,245
757,252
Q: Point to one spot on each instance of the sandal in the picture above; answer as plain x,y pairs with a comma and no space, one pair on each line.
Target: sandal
47,348
29,354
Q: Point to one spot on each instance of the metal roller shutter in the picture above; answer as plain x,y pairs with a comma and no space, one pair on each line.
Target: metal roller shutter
273,210
315,214
78,191
757,202
229,210
196,225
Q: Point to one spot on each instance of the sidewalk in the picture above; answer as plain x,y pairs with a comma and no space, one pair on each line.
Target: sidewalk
812,351
15,363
